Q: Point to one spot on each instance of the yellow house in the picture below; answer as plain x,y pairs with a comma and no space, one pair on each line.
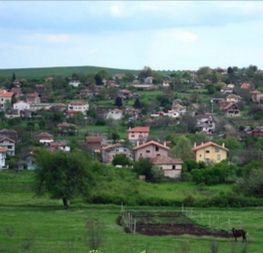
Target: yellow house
210,152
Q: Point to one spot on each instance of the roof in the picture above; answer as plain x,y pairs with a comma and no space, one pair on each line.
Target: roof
45,135
158,160
224,105
151,143
78,103
57,144
207,144
139,129
6,94
3,150
94,139
111,147
3,137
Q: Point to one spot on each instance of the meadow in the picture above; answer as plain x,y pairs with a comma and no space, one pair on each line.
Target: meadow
30,223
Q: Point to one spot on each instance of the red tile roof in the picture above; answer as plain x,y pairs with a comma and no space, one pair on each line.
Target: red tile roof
139,129
151,143
207,144
6,94
159,160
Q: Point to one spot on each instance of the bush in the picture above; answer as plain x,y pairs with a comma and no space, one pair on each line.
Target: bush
252,185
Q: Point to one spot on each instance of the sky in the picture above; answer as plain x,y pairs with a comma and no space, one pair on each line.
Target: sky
165,35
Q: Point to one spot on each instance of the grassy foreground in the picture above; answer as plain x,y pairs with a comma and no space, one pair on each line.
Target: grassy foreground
32,224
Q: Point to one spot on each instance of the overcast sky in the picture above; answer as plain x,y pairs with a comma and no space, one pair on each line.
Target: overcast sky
163,35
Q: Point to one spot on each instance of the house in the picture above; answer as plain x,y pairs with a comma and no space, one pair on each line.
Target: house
171,167
5,99
33,98
177,107
210,152
258,132
138,134
144,86
108,152
12,114
233,98
66,128
150,149
74,83
125,94
245,86
229,89
28,161
59,145
3,152
21,106
115,114
257,96
231,109
206,123
94,143
78,106
45,138
8,144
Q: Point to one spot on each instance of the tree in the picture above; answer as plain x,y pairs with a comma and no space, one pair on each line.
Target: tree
183,148
13,77
118,101
143,167
98,79
137,104
121,159
63,175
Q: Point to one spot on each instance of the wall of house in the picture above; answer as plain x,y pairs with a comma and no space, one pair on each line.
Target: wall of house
2,160
107,157
150,151
134,136
171,170
211,154
10,147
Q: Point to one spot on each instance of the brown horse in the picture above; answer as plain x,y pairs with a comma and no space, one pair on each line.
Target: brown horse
239,233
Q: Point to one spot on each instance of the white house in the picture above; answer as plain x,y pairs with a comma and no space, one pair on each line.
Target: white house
2,157
74,83
78,107
21,106
8,144
115,114
5,98
45,138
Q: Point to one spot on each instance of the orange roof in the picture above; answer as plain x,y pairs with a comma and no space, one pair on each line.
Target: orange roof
158,160
77,103
3,150
207,144
6,94
151,143
139,129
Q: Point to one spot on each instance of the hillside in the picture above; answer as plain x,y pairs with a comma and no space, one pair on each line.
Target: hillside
58,71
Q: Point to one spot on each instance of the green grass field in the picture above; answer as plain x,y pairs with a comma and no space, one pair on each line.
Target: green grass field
39,224
57,71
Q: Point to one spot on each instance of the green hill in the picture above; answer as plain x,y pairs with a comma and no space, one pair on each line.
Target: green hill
61,71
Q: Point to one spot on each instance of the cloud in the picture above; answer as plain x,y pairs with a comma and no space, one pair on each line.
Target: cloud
117,10
49,38
186,36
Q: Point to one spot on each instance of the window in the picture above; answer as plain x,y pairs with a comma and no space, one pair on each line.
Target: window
156,148
217,149
9,147
148,151
207,151
218,157
173,167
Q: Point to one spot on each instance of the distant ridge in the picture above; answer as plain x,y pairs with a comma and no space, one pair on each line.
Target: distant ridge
59,71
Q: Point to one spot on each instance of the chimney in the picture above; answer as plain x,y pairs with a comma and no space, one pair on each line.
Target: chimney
223,145
164,143
137,143
195,145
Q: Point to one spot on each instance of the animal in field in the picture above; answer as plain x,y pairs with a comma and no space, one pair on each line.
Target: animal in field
239,233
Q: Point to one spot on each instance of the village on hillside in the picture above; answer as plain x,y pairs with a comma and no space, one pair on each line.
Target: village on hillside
121,118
